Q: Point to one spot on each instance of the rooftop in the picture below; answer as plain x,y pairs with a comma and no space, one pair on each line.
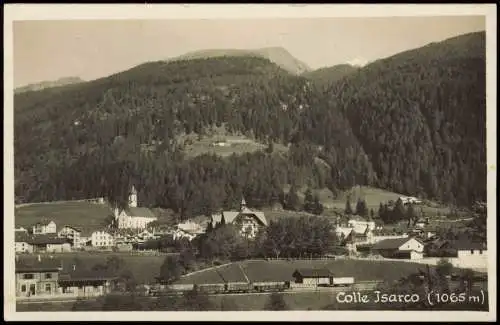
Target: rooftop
38,265
466,244
230,216
313,273
139,212
84,274
46,239
393,243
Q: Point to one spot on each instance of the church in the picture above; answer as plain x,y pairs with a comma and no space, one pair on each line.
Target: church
247,220
133,217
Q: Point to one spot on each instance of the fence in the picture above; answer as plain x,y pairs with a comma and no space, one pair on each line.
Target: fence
305,258
472,262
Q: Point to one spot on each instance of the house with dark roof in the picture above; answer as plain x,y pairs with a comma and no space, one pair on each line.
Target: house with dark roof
37,277
249,221
408,247
313,277
465,247
49,244
134,217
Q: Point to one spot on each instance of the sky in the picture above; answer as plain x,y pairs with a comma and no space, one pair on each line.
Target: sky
90,49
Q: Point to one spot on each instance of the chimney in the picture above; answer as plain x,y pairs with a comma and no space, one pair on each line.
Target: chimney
39,258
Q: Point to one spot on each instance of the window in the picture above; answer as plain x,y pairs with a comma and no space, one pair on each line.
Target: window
23,288
472,252
48,275
28,276
480,251
47,287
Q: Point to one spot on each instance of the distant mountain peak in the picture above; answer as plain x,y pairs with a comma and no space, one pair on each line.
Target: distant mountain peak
63,81
276,54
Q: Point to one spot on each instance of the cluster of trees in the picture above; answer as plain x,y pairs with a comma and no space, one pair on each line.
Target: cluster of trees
399,212
299,237
361,208
413,123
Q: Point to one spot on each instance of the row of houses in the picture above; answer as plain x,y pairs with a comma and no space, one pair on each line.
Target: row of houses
71,238
363,236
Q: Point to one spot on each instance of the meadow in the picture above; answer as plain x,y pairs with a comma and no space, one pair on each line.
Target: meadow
373,197
237,143
85,215
282,270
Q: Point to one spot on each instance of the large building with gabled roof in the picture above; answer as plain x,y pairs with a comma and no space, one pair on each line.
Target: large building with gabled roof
133,217
249,221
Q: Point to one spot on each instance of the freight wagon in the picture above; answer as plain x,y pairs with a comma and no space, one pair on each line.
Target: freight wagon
342,282
220,288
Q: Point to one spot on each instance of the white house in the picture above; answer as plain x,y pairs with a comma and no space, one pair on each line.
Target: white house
247,220
72,234
410,247
43,228
133,217
360,224
190,226
102,239
179,234
410,200
22,243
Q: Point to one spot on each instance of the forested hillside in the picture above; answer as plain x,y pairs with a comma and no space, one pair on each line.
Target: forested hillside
420,116
413,123
330,75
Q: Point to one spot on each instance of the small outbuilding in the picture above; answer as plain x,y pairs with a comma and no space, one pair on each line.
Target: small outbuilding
313,277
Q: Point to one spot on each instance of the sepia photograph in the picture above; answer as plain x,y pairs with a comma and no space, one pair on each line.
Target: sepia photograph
276,161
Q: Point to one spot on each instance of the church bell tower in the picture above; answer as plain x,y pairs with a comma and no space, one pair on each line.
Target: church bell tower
243,204
132,198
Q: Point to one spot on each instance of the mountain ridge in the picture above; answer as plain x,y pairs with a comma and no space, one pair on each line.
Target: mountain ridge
64,81
275,54
399,123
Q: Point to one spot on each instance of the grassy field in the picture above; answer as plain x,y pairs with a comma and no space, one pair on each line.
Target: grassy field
373,197
144,268
232,143
276,214
261,270
85,215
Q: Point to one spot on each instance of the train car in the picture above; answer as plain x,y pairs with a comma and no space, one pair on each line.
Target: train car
237,287
343,282
211,288
270,286
181,287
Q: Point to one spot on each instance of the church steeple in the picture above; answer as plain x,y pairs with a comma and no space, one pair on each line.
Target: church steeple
132,198
243,204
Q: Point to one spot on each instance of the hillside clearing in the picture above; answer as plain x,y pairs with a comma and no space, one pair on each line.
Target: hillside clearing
372,196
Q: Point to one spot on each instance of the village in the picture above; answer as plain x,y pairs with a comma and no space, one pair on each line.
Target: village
358,237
